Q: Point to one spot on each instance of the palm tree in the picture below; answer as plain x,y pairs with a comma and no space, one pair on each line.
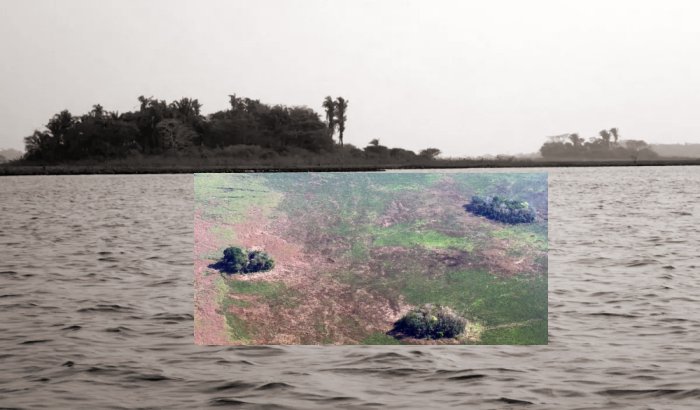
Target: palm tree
186,108
605,135
329,106
576,140
97,111
341,106
615,133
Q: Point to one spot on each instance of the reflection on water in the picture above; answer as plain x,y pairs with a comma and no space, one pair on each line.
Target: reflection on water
96,302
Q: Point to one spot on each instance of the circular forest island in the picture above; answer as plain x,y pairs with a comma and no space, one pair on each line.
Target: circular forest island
241,261
429,322
501,210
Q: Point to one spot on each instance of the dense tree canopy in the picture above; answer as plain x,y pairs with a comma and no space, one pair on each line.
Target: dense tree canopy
159,127
237,260
250,122
430,322
606,146
502,210
247,129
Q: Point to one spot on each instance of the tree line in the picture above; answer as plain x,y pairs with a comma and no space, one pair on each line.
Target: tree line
247,128
606,145
158,127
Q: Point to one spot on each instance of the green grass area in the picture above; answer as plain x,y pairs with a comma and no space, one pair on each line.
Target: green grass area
223,234
356,197
481,296
271,293
484,299
229,197
533,235
236,328
359,252
523,238
528,334
410,235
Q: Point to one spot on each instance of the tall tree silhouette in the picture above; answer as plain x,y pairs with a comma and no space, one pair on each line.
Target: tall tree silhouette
329,106
576,140
186,109
605,135
97,111
615,133
341,106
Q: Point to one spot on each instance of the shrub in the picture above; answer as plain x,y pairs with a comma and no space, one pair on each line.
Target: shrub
237,260
431,322
502,210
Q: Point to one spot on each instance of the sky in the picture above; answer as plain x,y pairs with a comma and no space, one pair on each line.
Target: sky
468,77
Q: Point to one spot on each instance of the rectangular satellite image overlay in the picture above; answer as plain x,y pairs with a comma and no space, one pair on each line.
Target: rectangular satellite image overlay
375,258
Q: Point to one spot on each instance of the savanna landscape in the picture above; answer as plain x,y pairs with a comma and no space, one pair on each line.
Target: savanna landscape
351,254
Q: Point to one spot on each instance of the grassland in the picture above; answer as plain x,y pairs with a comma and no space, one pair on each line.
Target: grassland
357,250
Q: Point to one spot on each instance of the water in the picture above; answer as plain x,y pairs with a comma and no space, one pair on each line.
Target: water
96,308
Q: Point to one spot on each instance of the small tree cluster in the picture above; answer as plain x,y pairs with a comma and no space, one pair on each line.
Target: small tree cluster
431,322
237,260
502,210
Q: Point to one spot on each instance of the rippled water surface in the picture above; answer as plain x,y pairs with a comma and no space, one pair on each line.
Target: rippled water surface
96,308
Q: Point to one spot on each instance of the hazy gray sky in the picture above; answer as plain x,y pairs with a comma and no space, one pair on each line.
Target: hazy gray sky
468,77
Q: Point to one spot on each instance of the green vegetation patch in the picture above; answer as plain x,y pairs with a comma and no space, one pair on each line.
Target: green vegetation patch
486,300
532,236
271,293
274,294
359,252
223,234
236,328
356,197
229,197
410,235
481,296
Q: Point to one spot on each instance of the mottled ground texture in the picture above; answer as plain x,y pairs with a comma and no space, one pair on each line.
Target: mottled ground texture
354,252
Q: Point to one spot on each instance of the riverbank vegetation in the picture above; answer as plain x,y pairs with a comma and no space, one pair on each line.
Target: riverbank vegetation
607,145
176,136
249,131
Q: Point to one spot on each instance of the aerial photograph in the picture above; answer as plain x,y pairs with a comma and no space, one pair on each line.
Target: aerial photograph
371,258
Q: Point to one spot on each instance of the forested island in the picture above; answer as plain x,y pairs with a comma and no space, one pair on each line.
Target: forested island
176,136
249,131
607,145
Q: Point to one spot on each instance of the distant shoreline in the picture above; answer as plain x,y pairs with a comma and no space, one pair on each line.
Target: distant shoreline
317,166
